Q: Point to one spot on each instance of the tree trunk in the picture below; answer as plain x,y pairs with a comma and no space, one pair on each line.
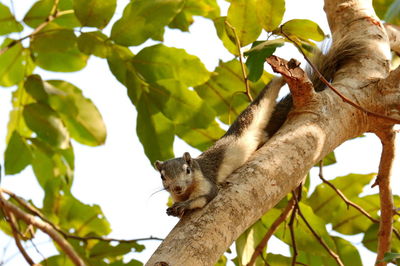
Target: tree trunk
311,131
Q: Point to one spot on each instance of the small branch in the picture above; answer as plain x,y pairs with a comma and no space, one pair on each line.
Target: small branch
11,221
261,246
344,98
43,226
300,86
292,236
36,212
246,80
387,137
320,240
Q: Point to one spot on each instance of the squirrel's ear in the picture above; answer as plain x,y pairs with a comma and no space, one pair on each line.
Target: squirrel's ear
186,156
158,165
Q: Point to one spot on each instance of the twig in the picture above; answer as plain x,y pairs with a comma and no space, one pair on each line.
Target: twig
387,137
292,236
261,246
43,226
344,98
246,80
11,221
320,240
36,212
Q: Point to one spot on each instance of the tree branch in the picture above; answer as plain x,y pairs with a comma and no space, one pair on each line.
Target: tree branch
43,226
261,246
387,137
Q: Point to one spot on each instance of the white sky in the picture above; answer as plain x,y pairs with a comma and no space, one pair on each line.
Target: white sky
119,177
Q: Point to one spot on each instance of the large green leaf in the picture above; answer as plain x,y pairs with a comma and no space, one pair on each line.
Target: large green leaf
304,29
257,55
56,49
119,62
17,155
205,8
94,43
79,114
248,241
40,11
381,6
52,167
180,105
241,15
8,23
270,13
223,33
155,131
47,124
94,13
11,64
143,19
370,240
105,250
224,90
159,62
199,138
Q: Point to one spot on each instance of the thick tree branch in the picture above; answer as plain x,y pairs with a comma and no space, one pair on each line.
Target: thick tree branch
387,137
43,226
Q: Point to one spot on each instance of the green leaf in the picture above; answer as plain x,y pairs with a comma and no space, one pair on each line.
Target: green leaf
248,241
241,15
57,260
381,6
392,15
347,252
223,91
106,250
159,62
180,105
155,131
94,13
278,260
220,26
304,29
53,39
391,256
270,13
52,167
329,159
41,10
206,8
199,138
34,86
56,49
46,123
370,240
8,23
119,62
11,63
94,43
143,19
17,155
257,55
80,115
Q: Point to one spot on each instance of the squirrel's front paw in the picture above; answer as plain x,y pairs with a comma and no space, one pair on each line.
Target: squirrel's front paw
177,209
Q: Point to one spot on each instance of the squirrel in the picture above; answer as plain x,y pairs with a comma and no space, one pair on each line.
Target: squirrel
193,182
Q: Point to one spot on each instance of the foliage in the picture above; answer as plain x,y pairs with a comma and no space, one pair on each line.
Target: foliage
174,95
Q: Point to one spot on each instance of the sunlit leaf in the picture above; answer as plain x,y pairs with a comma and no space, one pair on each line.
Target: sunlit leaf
11,63
242,16
8,23
46,123
270,13
220,26
155,131
303,28
17,155
143,19
248,241
257,55
158,62
94,13
94,43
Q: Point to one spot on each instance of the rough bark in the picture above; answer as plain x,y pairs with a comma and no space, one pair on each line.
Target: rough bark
312,130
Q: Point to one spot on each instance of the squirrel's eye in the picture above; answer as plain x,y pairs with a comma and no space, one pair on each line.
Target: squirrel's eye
188,170
162,177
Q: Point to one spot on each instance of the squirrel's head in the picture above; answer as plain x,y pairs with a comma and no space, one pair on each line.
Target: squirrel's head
179,175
